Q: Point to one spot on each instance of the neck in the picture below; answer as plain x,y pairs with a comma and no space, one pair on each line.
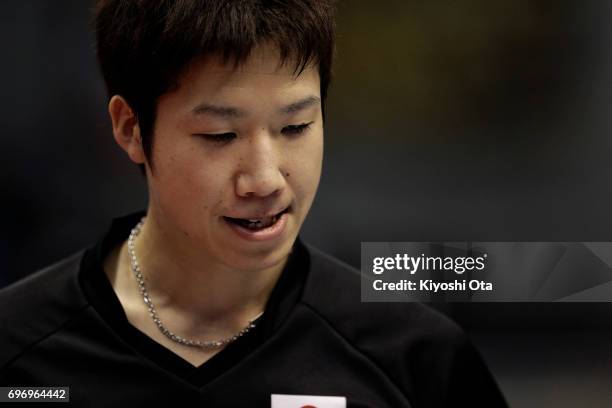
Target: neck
181,279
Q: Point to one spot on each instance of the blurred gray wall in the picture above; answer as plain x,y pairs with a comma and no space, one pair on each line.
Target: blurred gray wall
447,121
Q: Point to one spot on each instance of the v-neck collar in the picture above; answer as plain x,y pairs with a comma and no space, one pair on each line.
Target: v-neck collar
100,293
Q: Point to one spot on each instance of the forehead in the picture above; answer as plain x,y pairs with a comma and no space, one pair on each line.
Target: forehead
261,72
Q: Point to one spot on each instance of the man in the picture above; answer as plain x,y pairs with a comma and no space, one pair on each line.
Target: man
209,296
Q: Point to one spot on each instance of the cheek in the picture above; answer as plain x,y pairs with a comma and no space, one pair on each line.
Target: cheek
186,180
305,168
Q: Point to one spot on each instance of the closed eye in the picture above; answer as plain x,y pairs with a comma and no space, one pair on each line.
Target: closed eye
223,138
296,129
220,138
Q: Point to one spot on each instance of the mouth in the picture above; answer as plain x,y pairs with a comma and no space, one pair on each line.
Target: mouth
257,224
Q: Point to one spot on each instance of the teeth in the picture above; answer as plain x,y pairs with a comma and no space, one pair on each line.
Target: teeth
262,223
257,223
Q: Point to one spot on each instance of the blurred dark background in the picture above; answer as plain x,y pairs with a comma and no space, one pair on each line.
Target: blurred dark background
447,121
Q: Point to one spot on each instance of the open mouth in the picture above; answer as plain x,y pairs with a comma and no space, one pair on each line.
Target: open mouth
259,223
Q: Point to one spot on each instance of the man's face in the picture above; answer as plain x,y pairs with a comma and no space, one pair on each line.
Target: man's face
233,145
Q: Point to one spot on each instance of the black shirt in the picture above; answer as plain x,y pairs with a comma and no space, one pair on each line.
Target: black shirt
64,326
103,298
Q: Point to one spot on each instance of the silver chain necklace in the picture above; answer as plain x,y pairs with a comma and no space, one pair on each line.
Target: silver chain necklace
211,344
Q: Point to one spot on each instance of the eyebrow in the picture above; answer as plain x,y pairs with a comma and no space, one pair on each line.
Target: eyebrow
232,112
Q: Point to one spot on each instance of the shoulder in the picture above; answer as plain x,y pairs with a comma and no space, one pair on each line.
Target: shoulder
334,290
422,351
36,306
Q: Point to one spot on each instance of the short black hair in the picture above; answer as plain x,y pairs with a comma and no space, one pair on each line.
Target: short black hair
144,45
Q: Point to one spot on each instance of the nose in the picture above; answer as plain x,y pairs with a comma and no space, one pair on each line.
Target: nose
260,171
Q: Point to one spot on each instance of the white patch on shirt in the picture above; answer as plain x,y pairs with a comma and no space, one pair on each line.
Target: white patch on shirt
307,401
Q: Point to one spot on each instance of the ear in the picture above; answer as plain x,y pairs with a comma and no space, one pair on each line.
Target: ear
125,128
